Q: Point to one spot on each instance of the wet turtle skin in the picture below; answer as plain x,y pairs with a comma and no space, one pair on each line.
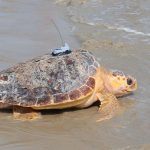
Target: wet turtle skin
49,79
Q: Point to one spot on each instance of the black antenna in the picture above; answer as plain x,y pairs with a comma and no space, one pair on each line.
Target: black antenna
62,41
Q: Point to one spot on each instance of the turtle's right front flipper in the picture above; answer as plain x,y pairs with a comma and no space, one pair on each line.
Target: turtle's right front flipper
108,106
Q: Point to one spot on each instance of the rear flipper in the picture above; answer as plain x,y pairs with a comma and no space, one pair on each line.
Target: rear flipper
25,113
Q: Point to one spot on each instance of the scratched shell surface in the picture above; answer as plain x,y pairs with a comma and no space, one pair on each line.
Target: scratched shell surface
49,79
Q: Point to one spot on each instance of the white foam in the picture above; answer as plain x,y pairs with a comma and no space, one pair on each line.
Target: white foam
128,30
91,23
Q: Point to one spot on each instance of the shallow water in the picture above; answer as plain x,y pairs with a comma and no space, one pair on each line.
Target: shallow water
117,32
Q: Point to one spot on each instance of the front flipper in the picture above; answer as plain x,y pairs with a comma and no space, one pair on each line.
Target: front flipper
108,107
25,113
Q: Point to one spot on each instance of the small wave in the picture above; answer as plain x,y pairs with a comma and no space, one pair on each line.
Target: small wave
128,30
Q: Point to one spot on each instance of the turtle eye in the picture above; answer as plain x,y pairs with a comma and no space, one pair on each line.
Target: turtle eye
129,81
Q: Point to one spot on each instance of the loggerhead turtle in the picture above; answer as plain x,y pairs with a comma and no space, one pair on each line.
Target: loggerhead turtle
59,82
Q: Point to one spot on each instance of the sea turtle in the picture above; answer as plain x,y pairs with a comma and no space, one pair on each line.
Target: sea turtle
59,82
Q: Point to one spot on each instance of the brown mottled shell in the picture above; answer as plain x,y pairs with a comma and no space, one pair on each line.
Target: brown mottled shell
49,79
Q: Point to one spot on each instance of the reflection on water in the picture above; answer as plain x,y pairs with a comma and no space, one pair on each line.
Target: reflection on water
118,34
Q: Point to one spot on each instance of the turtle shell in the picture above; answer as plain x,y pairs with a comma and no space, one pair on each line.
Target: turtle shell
49,79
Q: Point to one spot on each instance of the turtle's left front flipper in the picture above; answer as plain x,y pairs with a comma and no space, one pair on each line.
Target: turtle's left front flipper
25,113
109,105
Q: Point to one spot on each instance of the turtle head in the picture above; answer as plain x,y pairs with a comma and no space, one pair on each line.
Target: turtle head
121,84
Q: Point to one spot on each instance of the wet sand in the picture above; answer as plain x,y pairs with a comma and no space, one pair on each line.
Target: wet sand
117,33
